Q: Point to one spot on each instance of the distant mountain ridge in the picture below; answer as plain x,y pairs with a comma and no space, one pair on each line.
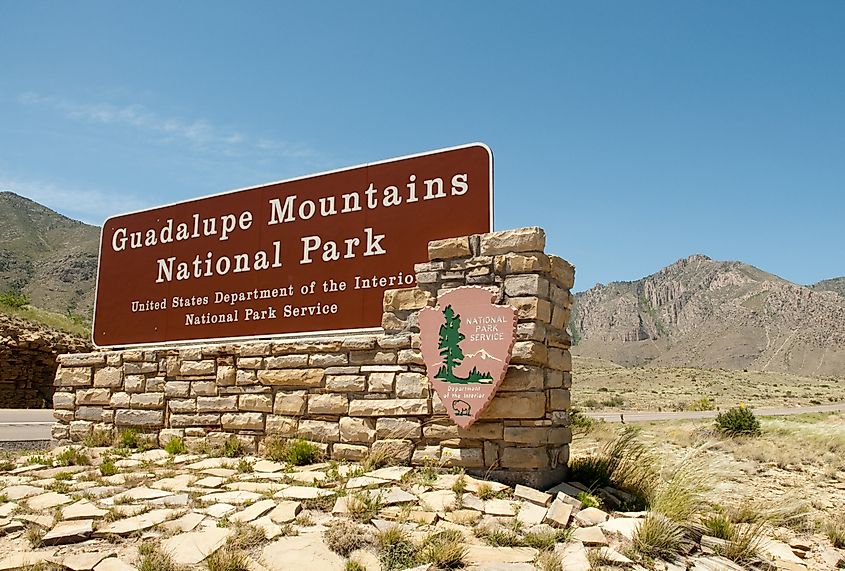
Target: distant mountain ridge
49,257
701,312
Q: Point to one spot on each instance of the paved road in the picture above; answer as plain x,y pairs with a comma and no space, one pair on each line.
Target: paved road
649,416
19,424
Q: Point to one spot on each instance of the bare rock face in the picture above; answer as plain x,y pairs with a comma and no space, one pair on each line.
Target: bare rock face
701,312
28,364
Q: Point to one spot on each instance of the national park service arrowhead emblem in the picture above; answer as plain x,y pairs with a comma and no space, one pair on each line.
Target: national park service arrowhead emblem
466,343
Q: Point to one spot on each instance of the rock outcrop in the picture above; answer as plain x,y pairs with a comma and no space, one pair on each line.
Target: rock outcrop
28,361
701,312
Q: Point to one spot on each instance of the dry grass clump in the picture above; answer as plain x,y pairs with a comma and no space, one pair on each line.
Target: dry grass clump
227,560
377,458
344,537
443,549
152,558
658,536
396,550
363,506
624,463
245,536
834,528
548,561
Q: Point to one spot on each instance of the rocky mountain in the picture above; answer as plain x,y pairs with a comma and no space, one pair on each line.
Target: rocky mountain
701,312
834,284
49,257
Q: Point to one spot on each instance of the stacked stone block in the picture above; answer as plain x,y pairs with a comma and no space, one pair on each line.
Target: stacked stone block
357,394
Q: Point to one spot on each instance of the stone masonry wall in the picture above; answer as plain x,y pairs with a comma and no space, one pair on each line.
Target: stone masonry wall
355,393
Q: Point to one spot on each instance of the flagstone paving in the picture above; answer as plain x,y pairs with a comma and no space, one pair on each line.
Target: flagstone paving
191,506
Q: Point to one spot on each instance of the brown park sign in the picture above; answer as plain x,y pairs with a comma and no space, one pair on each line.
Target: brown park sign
466,343
312,254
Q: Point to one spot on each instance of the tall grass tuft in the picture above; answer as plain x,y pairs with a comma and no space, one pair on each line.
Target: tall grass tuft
658,536
624,463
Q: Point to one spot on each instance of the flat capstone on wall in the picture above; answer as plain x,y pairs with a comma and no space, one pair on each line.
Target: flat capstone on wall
353,394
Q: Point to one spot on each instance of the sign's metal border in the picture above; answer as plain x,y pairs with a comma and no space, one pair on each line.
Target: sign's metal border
265,337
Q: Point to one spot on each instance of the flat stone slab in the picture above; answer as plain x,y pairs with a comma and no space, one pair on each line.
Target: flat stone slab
271,529
559,514
391,473
590,536
193,547
135,523
25,560
254,511
504,508
7,509
484,554
185,523
210,482
209,463
285,512
573,556
301,552
83,509
66,532
236,497
438,500
150,455
257,487
624,526
397,495
85,561
531,514
44,521
591,516
220,510
268,466
532,495
48,501
307,477
181,483
363,482
143,493
114,564
302,493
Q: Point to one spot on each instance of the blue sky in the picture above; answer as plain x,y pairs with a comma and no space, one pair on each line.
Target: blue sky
635,133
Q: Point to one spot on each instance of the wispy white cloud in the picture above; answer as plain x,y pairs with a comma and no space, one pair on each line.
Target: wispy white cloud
200,134
88,205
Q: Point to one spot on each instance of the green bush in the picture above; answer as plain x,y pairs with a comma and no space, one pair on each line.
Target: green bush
175,446
14,298
738,421
300,452
107,468
704,403
233,447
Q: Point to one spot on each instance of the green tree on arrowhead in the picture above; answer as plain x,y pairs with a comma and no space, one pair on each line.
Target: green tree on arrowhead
450,345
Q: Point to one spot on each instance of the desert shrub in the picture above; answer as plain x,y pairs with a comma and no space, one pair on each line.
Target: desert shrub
344,537
227,560
175,446
703,403
129,438
615,400
443,549
14,298
589,500
152,558
353,566
738,421
485,491
245,466
107,467
580,423
34,534
72,457
623,463
300,452
396,551
233,447
658,536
